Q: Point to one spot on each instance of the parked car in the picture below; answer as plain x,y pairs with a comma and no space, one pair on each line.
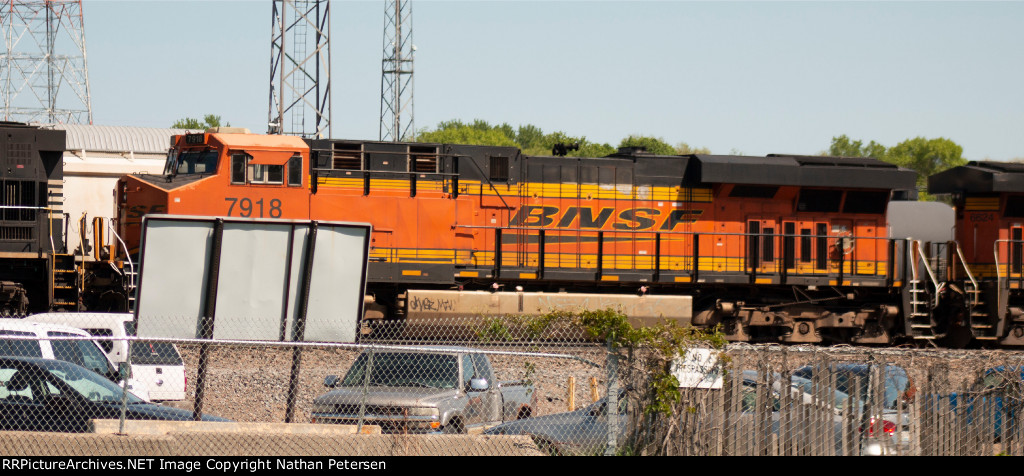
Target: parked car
422,390
54,395
156,365
15,342
585,431
581,432
891,434
1001,391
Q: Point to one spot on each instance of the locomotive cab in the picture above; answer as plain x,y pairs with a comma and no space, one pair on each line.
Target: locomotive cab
221,172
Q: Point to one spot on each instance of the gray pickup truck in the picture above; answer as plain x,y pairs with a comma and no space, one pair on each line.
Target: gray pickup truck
423,390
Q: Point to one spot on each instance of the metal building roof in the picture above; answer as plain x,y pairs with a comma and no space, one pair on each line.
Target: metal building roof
136,140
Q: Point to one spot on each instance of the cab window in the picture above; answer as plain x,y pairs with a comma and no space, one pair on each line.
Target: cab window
295,171
238,165
261,173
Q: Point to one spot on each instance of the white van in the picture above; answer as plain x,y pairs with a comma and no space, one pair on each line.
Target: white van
157,365
86,353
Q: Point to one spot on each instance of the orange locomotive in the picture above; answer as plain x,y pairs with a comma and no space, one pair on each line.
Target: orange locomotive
777,248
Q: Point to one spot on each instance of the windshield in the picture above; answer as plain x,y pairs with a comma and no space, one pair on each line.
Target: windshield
91,386
191,162
855,380
396,369
155,353
807,387
152,353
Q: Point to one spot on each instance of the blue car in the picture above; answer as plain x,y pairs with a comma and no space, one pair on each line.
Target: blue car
1001,392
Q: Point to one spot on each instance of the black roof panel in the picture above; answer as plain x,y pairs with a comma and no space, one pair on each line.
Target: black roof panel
979,177
804,171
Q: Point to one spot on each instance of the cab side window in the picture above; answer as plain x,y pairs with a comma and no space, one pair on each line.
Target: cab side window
295,171
270,174
238,166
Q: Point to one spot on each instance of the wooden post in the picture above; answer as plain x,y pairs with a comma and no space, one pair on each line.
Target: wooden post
572,394
594,396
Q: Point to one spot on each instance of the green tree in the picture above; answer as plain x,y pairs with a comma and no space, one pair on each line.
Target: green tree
653,145
457,132
530,136
533,141
209,121
925,156
683,148
843,146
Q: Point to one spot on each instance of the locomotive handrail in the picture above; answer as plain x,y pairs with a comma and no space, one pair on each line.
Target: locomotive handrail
967,269
595,230
692,268
931,274
393,172
1002,282
127,256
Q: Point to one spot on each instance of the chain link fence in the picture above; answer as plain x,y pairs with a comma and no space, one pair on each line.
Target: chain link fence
490,387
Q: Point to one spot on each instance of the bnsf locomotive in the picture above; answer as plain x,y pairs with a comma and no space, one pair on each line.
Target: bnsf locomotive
778,248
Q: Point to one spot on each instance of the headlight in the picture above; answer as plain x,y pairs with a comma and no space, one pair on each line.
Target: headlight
424,411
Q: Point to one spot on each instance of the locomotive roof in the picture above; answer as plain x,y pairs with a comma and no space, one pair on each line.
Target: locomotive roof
800,170
260,140
979,177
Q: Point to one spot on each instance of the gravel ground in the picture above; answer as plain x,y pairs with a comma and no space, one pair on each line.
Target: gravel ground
251,383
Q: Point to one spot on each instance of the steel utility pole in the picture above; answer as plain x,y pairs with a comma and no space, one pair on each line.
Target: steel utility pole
300,69
44,76
396,84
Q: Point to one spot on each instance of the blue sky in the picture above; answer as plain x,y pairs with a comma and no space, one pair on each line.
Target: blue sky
746,77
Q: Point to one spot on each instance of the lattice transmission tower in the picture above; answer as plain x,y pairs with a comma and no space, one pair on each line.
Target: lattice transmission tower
300,68
396,85
44,75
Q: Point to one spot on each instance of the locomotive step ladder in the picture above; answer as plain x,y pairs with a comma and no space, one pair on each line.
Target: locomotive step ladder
921,326
66,280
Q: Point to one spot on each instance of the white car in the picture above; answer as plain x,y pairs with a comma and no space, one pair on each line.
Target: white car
157,365
40,342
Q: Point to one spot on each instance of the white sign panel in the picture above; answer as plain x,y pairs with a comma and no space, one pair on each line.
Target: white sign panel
699,368
260,267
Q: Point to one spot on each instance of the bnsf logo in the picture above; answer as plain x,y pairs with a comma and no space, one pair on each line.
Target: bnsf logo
632,219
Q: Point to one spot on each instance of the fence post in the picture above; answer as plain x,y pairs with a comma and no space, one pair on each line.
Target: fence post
612,401
127,365
366,385
572,394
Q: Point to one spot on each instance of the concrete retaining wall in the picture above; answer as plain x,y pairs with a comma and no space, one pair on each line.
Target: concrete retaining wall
236,439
